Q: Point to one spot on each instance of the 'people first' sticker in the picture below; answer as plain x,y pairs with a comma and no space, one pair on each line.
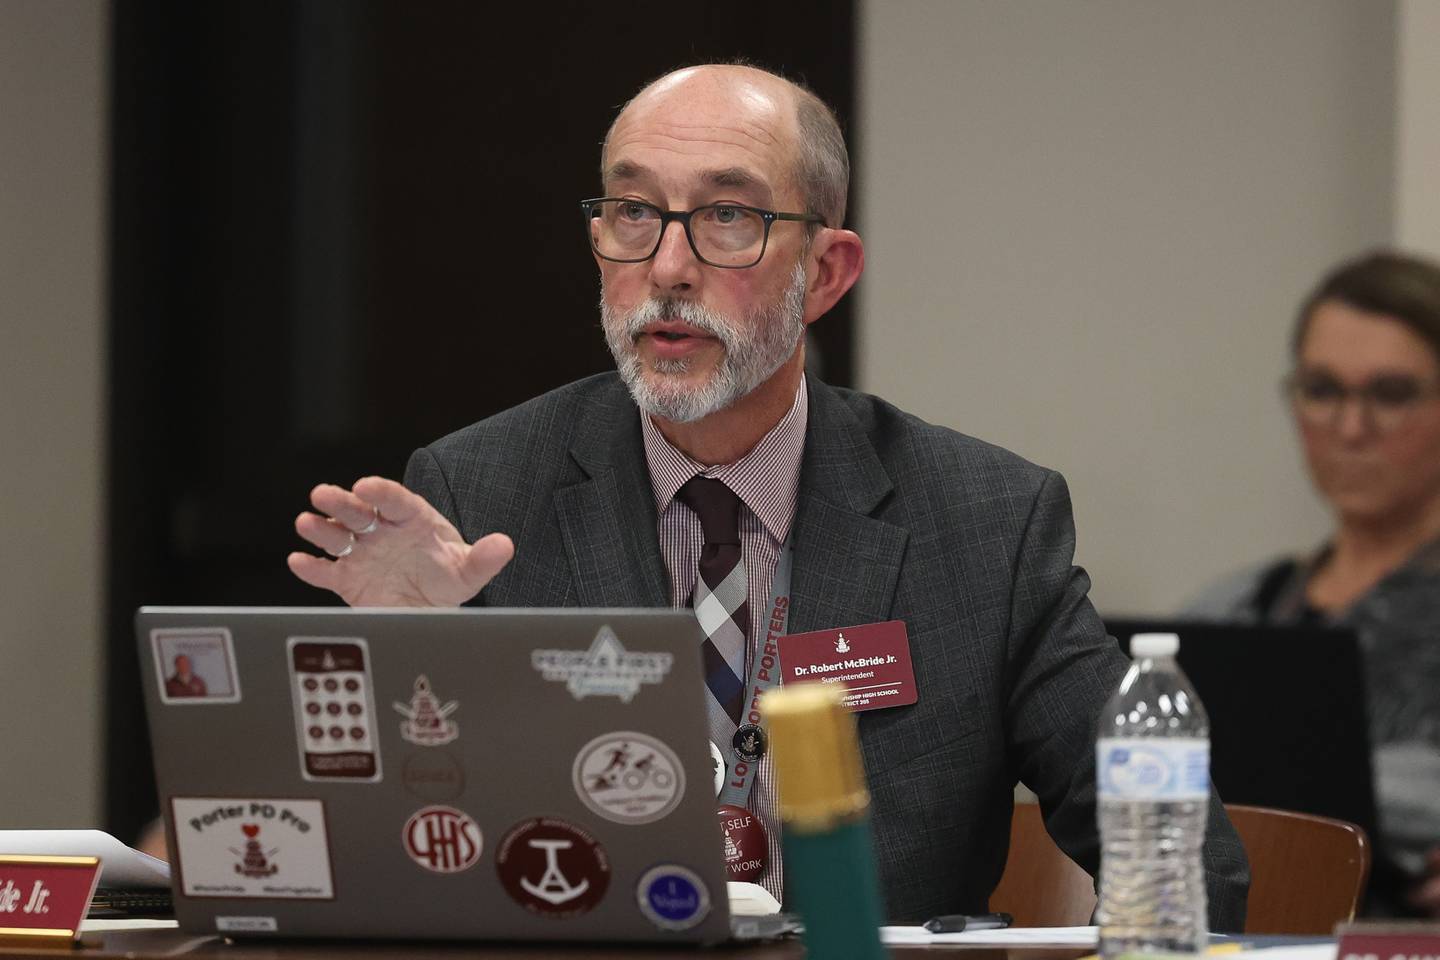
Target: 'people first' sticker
1150,768
334,709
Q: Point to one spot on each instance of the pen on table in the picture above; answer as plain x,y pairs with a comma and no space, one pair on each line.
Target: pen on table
957,922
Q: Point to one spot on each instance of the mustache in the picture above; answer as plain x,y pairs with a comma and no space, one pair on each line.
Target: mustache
660,309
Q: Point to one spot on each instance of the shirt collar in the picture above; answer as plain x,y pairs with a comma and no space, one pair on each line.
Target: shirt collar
765,479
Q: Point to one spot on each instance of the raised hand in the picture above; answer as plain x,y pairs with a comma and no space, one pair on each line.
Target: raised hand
389,547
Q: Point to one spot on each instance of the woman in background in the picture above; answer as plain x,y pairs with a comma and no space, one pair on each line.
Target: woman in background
1365,394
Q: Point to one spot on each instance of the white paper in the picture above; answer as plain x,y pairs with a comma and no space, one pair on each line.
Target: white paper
106,926
1309,951
1027,936
120,866
750,900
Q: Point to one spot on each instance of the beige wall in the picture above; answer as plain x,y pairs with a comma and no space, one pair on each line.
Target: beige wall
52,119
1417,160
1087,226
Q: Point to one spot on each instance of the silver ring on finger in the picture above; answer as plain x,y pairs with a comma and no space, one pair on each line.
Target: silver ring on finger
349,548
374,523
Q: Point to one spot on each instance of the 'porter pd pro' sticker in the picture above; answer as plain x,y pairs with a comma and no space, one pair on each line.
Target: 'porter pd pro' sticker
628,777
263,847
552,867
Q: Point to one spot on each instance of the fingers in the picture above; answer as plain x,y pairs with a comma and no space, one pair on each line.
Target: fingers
326,534
314,571
397,504
348,509
487,557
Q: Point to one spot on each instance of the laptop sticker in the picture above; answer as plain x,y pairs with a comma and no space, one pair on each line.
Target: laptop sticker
334,709
628,777
673,897
606,669
252,847
427,721
195,665
552,867
433,775
442,839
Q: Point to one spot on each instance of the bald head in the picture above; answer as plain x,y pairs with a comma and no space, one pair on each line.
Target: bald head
761,108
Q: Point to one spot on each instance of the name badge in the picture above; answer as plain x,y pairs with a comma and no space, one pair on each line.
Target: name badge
1388,940
871,661
43,899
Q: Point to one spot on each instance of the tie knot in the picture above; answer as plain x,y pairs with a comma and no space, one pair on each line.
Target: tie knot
717,506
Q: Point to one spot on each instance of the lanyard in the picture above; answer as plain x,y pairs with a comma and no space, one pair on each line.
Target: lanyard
764,674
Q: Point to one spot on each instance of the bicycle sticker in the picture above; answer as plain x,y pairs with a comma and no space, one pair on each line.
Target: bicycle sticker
628,777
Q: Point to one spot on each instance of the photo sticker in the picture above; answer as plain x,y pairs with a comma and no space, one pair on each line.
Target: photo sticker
195,665
264,848
628,777
334,709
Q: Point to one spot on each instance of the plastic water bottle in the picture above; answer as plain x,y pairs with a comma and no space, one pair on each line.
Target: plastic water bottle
1153,776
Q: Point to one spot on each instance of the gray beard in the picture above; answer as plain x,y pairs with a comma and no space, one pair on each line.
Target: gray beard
753,351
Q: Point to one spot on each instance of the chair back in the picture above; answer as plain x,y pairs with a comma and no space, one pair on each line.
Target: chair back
1307,873
1041,887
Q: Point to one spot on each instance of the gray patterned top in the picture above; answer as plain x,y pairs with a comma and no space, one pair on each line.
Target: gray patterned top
1398,623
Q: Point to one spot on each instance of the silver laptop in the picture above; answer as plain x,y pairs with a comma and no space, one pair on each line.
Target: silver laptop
477,774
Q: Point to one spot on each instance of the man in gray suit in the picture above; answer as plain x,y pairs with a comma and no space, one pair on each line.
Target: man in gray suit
611,489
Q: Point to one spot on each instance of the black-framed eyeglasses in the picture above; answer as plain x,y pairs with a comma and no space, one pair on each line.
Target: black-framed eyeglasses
1386,401
727,235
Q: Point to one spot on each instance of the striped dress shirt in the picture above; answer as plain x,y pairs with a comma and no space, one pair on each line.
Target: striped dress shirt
765,479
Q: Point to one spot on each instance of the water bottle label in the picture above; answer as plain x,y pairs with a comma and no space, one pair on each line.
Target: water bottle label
1149,768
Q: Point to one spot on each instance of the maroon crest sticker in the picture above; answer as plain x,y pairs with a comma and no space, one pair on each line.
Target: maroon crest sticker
552,867
442,839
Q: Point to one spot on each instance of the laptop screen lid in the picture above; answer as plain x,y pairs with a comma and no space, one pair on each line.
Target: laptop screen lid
477,773
1288,724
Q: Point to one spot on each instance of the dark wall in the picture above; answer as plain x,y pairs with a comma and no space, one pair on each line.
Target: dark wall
307,281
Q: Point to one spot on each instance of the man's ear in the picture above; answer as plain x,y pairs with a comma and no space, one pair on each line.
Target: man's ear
838,258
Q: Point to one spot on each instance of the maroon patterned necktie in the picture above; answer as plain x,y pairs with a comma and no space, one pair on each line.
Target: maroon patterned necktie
721,597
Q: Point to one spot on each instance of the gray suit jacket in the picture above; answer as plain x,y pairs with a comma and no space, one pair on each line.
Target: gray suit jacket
896,519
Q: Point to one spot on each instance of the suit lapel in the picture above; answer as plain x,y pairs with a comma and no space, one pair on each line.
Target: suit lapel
607,520
847,563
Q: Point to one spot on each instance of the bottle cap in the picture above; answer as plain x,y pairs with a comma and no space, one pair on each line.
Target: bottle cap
1154,644
818,770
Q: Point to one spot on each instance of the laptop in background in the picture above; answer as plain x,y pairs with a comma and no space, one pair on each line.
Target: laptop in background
476,774
1288,723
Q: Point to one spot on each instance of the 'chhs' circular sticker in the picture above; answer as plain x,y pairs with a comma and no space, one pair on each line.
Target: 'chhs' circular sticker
673,897
442,839
628,777
552,867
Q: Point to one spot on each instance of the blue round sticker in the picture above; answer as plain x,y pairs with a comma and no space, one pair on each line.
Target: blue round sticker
673,897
